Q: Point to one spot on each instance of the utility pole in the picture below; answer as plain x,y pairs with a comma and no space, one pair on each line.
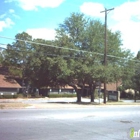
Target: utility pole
105,49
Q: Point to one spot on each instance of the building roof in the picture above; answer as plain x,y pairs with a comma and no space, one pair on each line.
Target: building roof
112,86
61,87
6,82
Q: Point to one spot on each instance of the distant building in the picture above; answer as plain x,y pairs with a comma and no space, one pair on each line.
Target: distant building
8,85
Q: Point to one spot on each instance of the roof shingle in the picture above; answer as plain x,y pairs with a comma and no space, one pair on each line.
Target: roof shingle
6,82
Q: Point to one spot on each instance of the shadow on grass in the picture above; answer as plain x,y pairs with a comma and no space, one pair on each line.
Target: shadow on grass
77,103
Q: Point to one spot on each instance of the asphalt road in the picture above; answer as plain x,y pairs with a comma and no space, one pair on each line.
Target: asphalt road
97,123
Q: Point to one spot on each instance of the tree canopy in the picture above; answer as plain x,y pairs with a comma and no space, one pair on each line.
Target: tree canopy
74,58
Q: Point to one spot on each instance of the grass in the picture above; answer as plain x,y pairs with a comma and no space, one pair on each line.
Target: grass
12,105
122,103
2,106
114,101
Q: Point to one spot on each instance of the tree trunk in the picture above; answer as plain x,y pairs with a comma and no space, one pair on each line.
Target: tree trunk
92,94
135,96
92,97
77,92
23,85
78,97
82,90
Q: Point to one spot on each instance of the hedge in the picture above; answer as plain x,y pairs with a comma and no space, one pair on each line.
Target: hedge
61,95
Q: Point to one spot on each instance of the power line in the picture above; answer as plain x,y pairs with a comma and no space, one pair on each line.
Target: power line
46,44
3,44
55,55
71,56
57,47
48,54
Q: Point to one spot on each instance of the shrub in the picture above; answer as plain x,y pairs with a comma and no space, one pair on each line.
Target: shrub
8,96
61,95
20,95
1,96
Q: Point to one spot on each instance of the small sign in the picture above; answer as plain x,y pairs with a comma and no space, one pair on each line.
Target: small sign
12,93
113,96
1,93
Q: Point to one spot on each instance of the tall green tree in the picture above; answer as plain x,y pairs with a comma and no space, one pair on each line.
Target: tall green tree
38,64
1,57
78,61
131,75
16,55
82,33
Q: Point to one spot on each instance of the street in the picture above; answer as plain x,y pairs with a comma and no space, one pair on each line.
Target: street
94,123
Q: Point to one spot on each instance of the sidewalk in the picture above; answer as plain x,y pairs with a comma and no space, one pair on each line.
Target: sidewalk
63,100
56,103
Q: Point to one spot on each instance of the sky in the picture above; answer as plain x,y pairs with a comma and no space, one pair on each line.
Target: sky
40,18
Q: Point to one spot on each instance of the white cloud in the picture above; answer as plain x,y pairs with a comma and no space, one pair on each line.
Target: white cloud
7,23
92,9
16,16
130,32
43,33
3,16
125,18
11,11
34,4
2,25
127,11
9,1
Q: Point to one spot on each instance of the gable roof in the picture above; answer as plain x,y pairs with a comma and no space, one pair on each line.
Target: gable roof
6,82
